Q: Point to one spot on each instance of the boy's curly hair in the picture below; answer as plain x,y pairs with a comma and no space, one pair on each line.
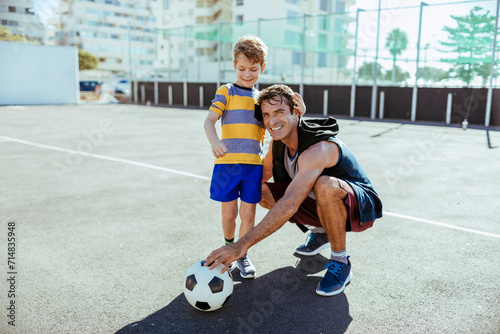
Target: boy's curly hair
251,47
277,93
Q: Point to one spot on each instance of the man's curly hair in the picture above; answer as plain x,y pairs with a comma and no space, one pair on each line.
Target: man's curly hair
277,94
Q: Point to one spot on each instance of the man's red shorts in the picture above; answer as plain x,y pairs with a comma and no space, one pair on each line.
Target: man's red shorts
308,213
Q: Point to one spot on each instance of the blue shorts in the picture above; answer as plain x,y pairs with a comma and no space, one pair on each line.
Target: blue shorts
230,181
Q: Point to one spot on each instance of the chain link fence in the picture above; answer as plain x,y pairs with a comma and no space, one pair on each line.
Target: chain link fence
446,45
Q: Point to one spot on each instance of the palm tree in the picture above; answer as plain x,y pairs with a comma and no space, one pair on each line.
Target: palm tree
396,42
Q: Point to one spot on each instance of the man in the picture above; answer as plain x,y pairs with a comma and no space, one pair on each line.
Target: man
318,182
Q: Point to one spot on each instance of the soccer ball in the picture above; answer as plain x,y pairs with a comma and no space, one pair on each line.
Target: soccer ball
207,290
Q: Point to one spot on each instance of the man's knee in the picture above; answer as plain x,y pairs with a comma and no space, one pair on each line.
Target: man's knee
267,197
328,187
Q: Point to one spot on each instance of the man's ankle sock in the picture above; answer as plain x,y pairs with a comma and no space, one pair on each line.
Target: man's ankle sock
340,256
229,241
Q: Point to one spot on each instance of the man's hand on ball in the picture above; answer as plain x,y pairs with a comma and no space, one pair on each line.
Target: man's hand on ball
224,255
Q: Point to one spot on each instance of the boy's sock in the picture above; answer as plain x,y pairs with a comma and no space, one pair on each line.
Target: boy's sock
340,256
229,241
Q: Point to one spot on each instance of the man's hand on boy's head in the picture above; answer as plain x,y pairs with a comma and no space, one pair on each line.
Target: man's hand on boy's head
218,148
299,104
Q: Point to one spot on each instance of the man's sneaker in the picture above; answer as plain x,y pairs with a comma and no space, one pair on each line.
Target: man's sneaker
316,243
337,276
247,270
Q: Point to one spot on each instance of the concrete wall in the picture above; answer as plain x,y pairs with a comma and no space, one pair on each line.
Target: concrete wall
38,74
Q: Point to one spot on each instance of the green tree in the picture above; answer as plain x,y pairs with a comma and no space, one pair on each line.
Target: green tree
471,43
86,60
396,42
433,74
365,71
396,75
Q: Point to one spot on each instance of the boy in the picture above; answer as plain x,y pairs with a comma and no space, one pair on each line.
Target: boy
239,164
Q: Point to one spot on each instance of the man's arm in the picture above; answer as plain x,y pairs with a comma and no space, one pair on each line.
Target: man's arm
311,164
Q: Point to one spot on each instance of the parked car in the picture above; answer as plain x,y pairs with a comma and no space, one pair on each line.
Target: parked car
123,87
90,90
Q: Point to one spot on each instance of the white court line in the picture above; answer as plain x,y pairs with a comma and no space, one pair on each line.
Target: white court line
169,170
103,157
440,224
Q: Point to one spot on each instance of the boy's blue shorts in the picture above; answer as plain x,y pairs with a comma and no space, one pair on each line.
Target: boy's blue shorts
230,181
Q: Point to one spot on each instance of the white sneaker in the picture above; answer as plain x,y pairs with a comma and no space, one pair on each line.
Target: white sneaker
247,269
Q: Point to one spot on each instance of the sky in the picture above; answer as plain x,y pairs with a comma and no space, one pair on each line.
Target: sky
434,18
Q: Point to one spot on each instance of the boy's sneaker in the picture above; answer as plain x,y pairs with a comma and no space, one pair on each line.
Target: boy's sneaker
247,270
337,276
316,243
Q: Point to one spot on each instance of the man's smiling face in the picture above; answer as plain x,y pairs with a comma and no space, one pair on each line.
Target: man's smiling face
278,118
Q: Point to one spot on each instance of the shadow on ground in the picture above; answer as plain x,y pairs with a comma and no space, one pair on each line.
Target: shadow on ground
282,301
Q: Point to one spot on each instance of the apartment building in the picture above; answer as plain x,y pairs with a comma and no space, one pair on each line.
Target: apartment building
18,16
315,26
188,48
121,34
177,39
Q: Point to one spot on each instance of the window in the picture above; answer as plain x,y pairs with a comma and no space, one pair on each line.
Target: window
342,62
92,11
323,5
322,59
339,26
324,22
297,58
239,19
339,6
337,42
293,38
12,9
293,17
322,41
239,2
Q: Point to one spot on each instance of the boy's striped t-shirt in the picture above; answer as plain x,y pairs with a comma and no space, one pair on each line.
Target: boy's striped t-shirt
242,133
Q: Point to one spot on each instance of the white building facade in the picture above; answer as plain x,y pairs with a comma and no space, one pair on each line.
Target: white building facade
182,40
121,34
18,16
320,56
188,48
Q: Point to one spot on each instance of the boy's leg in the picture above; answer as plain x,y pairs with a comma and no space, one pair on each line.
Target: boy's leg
229,215
250,194
247,216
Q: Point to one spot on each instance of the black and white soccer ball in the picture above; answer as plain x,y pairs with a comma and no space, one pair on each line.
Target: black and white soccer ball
207,290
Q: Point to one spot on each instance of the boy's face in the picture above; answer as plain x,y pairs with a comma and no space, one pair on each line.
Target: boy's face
247,72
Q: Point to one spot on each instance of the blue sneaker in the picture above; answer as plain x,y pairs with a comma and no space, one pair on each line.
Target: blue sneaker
315,244
337,276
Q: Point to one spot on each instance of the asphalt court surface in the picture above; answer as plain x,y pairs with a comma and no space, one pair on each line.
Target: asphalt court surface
111,207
